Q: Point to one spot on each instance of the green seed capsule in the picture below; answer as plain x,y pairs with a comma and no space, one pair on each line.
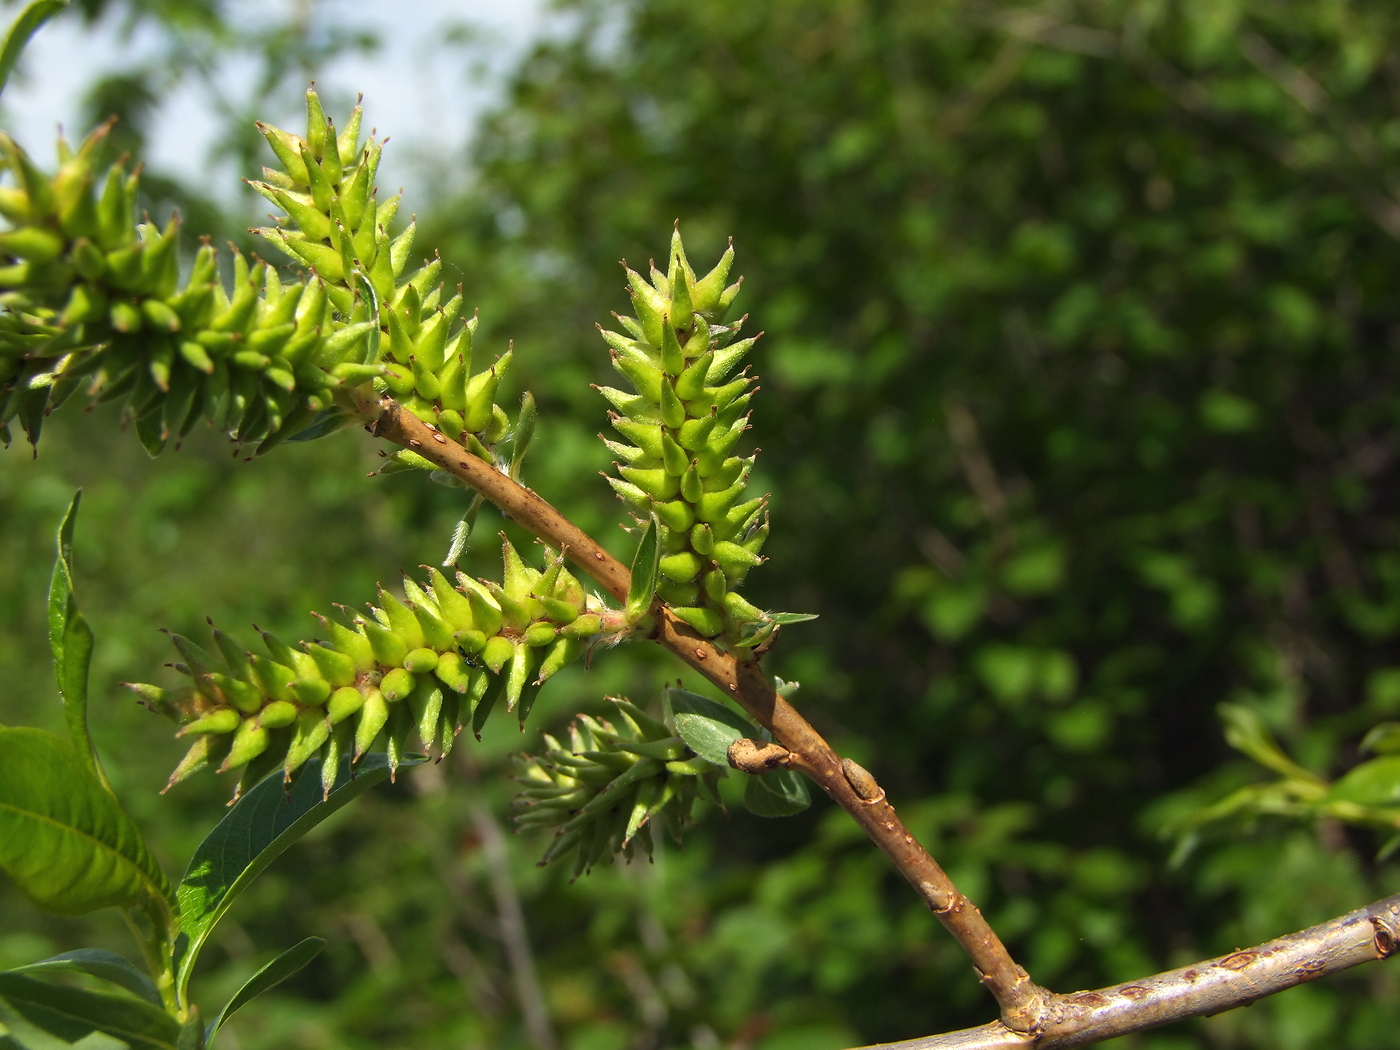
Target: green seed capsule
275,679
242,694
249,741
397,684
682,567
565,651
420,661
695,432
675,514
734,559
716,585
496,652
585,626
311,692
221,720
454,672
673,593
343,703
310,734
538,634
338,668
706,621
455,607
673,413
389,648
277,715
373,715
692,487
401,620
470,642
560,612
741,610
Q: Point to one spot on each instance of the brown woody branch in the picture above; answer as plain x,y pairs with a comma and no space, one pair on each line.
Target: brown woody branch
1206,988
1021,1000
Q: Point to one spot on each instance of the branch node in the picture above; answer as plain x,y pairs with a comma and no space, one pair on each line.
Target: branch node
754,756
862,783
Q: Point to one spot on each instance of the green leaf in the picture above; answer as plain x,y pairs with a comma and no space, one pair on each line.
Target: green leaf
784,618
1383,739
270,976
524,433
70,637
1373,783
72,1013
262,824
646,566
1245,732
96,962
780,793
462,534
21,29
64,839
707,727
17,1033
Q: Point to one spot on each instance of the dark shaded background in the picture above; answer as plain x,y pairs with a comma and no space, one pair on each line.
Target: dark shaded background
1079,413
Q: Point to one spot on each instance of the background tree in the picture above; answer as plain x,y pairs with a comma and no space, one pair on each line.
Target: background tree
1079,409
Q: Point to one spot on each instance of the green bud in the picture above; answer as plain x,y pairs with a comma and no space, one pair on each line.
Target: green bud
388,647
522,665
705,295
716,585
672,357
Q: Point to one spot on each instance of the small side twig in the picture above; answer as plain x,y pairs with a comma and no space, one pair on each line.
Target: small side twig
1020,999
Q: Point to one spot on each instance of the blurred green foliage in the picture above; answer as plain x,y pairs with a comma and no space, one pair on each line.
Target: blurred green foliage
1079,411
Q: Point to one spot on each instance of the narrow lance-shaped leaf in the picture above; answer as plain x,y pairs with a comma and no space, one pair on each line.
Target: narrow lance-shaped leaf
99,963
21,29
263,823
707,727
780,793
70,637
269,977
64,839
646,565
73,1013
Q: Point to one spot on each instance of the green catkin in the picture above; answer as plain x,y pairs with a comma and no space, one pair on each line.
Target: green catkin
90,298
400,670
599,791
681,425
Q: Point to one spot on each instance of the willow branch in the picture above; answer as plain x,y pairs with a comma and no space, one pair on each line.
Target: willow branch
1237,979
852,788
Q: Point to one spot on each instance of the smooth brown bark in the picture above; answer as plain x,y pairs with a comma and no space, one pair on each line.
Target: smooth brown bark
1204,988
